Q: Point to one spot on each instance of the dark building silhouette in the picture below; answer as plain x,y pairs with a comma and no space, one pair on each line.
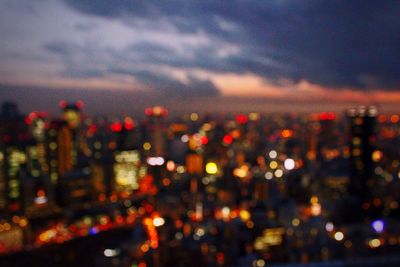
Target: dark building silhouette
362,144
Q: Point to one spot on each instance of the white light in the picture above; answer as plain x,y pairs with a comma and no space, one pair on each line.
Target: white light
111,252
158,221
200,232
185,138
273,154
339,236
329,227
40,200
225,212
279,173
269,175
289,164
155,161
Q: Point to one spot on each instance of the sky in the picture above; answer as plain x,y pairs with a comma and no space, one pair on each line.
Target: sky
123,55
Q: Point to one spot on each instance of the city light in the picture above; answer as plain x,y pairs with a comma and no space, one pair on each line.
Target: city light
158,221
289,164
374,243
220,178
268,175
155,161
111,252
339,236
211,168
329,226
273,154
378,226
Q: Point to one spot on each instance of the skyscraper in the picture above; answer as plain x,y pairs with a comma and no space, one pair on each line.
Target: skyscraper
362,143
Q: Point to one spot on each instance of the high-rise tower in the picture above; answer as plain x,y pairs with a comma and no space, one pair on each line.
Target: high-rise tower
362,143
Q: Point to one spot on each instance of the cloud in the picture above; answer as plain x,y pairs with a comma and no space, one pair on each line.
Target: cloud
82,61
338,44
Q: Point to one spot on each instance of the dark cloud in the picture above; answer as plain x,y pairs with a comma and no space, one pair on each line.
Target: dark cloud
111,61
334,43
169,86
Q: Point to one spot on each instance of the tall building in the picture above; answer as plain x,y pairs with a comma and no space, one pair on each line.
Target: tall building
60,151
157,130
72,114
13,158
362,143
38,189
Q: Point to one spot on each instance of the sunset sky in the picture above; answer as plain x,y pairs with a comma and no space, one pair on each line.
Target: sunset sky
185,52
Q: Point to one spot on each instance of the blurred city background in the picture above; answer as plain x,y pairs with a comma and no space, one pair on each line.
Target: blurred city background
199,189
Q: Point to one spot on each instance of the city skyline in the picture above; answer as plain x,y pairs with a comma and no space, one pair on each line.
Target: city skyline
291,55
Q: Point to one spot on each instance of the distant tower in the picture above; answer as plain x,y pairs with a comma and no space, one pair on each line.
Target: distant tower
60,149
72,114
39,189
362,142
156,125
13,137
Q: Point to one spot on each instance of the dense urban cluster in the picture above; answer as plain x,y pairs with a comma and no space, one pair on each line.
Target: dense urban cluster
202,189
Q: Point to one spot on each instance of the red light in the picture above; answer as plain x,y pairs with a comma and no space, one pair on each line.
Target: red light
242,119
80,104
63,104
228,139
33,115
204,140
148,111
116,127
28,120
327,116
331,116
220,257
129,124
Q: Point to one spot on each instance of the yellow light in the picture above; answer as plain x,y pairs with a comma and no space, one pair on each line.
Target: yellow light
23,222
254,116
295,222
377,155
7,226
211,168
53,145
339,236
273,165
147,146
259,263
314,200
194,116
180,169
244,215
241,172
374,243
